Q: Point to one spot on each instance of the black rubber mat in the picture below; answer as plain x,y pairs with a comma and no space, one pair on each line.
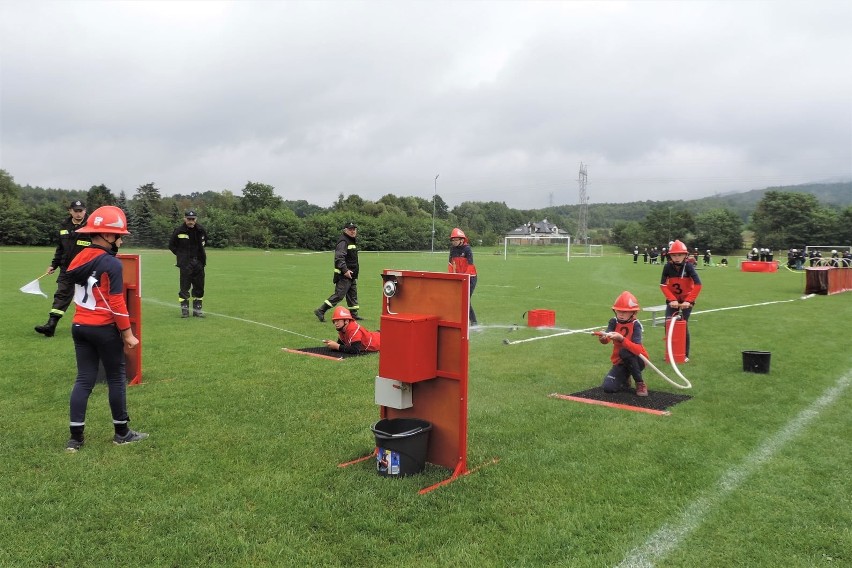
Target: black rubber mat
323,350
656,400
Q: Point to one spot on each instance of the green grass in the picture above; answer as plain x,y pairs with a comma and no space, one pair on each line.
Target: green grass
241,466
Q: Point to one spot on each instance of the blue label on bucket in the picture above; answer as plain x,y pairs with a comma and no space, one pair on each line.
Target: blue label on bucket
387,462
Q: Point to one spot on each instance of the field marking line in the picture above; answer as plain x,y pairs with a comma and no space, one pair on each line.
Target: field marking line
172,305
743,306
670,536
590,329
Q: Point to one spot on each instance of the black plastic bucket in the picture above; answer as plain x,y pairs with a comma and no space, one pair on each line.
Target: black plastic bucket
401,446
756,361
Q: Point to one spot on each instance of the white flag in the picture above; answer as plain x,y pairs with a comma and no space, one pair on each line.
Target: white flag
33,288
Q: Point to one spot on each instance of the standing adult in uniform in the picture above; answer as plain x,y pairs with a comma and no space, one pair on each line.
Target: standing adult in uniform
188,244
69,245
461,262
345,273
101,328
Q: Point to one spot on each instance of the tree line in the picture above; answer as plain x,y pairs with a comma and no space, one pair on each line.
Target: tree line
261,219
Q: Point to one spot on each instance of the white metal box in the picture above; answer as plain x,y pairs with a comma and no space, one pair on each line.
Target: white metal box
393,393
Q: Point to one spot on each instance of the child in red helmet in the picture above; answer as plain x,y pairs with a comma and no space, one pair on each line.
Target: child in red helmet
352,337
101,328
625,333
461,262
680,285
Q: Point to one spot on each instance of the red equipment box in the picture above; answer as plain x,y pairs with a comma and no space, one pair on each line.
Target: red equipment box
541,318
759,266
409,347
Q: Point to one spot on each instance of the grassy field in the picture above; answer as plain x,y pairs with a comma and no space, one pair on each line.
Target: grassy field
241,466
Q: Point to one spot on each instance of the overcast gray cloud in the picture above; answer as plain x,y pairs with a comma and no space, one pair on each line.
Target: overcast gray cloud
503,99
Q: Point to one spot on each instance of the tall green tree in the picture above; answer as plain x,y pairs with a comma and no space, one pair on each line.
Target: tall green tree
665,223
97,196
628,235
8,187
144,205
786,219
719,230
258,196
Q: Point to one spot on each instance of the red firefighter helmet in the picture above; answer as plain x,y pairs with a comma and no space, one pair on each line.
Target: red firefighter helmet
626,302
341,313
106,219
678,248
458,234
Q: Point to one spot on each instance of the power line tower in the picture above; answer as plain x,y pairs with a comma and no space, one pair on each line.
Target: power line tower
582,225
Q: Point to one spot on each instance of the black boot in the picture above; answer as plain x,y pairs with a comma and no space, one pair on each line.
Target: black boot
184,308
320,312
355,315
49,328
196,308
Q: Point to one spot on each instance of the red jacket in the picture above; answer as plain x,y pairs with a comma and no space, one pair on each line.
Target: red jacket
98,288
632,332
680,284
461,260
356,339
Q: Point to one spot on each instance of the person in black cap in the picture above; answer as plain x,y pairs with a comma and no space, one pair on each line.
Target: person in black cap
188,244
69,245
345,273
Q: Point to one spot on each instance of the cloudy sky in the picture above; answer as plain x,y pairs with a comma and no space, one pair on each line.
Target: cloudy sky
503,100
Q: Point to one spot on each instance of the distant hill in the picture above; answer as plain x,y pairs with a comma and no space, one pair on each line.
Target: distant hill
606,215
829,194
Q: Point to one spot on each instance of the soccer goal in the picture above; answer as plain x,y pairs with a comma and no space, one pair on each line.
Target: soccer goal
588,250
823,253
537,245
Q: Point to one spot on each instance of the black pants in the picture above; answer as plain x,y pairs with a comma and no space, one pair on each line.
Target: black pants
94,344
64,293
192,277
345,288
471,315
617,378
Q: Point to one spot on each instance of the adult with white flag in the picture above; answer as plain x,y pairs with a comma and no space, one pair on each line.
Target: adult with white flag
66,249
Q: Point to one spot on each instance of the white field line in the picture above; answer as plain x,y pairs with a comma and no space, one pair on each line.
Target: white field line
671,535
590,329
174,305
743,306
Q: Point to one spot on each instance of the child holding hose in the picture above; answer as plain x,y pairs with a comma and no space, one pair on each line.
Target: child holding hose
680,285
625,333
